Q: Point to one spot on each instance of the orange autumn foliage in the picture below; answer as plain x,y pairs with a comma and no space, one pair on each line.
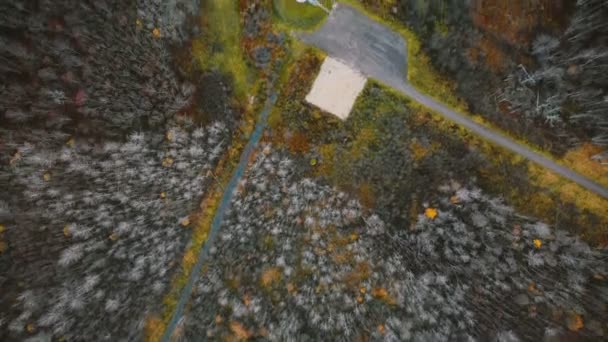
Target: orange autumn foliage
239,330
516,22
361,272
154,328
298,143
270,276
494,56
575,322
382,294
430,213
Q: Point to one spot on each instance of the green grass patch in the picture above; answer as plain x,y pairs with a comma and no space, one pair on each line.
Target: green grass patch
219,47
302,16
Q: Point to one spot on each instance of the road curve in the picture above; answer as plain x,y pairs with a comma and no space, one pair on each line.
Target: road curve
381,54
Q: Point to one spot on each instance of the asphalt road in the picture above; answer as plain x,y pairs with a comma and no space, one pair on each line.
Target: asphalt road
381,54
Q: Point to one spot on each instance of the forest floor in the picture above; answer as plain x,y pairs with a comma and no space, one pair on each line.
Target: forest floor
283,132
323,241
381,54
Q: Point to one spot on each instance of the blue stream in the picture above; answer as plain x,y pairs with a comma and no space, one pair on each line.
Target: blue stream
219,215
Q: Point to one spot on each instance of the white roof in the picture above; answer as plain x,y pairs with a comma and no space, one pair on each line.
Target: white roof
336,88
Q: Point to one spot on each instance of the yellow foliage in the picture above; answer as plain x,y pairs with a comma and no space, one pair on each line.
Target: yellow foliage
156,32
113,237
220,19
66,230
167,162
364,139
169,136
366,195
537,243
185,222
30,328
579,159
189,259
430,213
163,195
46,177
569,191
418,151
327,153
2,228
138,23
71,142
539,203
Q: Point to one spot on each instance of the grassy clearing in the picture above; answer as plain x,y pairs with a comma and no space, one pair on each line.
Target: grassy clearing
580,159
219,47
300,16
424,77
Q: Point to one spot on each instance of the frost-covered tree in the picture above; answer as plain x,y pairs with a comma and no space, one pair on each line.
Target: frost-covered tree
298,260
568,90
90,67
97,230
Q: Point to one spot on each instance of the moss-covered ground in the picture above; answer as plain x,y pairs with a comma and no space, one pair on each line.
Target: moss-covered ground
392,153
219,45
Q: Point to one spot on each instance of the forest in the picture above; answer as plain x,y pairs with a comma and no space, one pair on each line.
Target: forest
163,177
539,67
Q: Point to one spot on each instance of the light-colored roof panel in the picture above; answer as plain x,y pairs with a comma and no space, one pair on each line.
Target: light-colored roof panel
336,88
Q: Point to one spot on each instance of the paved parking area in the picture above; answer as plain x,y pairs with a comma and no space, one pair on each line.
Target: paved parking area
370,47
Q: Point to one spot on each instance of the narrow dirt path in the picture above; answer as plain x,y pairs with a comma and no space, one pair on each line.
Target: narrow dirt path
254,139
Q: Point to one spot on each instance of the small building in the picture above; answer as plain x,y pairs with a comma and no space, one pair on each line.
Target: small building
336,88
